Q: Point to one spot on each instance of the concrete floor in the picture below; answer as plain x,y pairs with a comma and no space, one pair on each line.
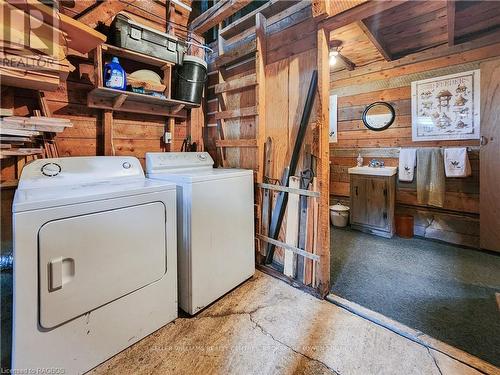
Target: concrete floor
268,327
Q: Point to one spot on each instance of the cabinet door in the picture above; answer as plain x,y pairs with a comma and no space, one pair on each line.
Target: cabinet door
377,204
358,199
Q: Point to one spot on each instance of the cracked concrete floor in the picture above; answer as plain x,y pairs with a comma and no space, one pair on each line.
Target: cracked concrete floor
268,327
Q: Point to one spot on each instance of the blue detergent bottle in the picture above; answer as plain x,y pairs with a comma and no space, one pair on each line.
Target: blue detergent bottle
114,75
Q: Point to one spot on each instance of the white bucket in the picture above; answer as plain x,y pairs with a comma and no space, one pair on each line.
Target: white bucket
339,215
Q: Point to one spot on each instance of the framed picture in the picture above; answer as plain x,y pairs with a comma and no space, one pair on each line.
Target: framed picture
333,119
446,108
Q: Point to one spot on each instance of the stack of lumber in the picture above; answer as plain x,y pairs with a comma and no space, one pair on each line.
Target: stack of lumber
18,132
33,125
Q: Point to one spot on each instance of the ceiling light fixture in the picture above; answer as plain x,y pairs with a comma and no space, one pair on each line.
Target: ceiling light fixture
333,57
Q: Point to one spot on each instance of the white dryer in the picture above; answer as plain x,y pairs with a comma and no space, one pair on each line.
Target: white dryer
95,265
215,225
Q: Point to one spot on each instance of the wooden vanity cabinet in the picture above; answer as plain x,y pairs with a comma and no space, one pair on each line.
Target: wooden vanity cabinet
372,204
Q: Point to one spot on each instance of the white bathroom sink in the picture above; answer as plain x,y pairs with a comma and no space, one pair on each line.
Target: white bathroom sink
382,171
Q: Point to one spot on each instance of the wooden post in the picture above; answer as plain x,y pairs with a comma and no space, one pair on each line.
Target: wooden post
260,97
171,129
323,166
107,132
167,80
98,68
196,117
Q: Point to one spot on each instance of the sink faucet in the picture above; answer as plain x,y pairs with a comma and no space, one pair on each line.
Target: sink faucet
374,163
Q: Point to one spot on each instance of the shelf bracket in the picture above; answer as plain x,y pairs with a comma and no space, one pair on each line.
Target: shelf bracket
119,100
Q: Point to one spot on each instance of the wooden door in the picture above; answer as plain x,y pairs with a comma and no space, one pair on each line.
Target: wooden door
490,156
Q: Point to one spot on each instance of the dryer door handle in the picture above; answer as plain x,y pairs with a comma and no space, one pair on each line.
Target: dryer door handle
61,271
55,274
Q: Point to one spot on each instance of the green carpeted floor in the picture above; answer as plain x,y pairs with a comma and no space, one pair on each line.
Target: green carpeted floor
444,291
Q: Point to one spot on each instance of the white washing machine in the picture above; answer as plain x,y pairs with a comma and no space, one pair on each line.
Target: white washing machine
95,266
215,225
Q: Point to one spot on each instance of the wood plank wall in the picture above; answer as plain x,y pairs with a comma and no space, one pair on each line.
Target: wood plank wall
458,221
133,134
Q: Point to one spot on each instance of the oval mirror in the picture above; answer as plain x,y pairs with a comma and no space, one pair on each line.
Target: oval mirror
378,116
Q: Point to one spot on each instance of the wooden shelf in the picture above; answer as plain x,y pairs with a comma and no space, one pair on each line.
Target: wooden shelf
135,56
126,101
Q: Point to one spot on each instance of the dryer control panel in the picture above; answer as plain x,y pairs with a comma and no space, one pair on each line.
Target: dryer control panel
78,170
168,161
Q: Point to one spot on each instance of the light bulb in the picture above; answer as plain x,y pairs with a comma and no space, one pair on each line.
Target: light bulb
333,60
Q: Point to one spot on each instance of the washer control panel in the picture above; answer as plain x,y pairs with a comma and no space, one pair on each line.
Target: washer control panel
79,170
177,160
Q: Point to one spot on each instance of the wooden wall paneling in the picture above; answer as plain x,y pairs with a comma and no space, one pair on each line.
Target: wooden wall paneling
323,168
277,110
300,68
490,155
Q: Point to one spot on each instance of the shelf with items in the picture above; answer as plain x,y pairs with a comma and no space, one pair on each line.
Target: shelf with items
128,101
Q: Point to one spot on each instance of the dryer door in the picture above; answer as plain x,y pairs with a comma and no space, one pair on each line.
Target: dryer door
90,260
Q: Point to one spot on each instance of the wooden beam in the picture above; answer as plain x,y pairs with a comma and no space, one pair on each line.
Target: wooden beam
375,40
349,65
104,12
358,13
291,248
260,95
322,271
233,113
292,229
306,193
216,14
450,16
320,9
328,8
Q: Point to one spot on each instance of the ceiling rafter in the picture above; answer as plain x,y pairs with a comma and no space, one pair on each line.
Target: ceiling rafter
104,12
216,14
450,19
375,39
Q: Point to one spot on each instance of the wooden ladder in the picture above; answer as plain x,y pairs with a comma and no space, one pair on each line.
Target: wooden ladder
257,48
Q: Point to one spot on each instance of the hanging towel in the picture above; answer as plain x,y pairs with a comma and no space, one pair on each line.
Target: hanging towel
430,177
456,162
407,160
